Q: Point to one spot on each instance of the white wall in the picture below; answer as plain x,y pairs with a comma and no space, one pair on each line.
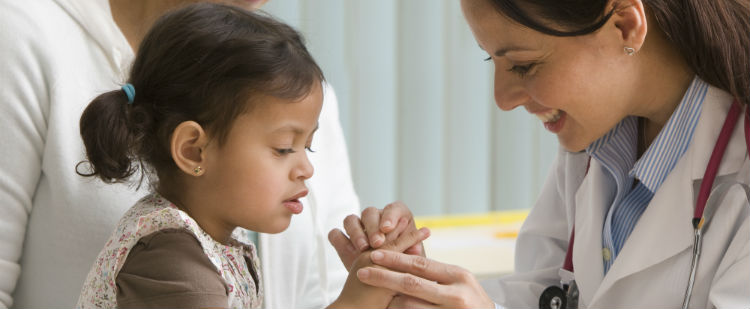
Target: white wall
416,106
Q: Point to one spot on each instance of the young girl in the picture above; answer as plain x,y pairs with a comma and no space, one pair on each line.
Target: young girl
220,106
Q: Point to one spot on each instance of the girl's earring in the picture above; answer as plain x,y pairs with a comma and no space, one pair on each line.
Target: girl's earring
629,51
198,171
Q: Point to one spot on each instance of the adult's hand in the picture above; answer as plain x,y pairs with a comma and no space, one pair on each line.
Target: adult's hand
430,283
356,294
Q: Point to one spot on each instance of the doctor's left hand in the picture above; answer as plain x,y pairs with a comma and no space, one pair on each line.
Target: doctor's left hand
430,284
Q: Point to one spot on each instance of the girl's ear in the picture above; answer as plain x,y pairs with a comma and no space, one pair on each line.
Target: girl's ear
187,146
630,20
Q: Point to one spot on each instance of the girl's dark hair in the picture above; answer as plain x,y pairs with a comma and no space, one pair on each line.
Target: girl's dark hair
205,63
712,35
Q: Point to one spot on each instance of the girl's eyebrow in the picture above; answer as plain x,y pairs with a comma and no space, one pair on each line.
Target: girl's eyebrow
294,129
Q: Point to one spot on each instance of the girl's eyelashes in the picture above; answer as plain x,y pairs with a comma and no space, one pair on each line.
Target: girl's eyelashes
522,70
284,151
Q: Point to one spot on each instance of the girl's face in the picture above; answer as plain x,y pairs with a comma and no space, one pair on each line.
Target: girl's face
255,180
577,86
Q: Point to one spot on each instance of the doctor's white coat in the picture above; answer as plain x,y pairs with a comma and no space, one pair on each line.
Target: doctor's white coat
653,267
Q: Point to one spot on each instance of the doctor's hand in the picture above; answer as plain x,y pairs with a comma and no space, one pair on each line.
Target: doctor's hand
356,294
430,284
375,228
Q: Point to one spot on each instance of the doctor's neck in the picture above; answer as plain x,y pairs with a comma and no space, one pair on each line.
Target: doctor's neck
661,79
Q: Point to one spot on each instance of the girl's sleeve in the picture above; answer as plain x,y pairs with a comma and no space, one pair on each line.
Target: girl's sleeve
168,269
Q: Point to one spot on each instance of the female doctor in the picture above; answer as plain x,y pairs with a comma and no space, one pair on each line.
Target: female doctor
648,99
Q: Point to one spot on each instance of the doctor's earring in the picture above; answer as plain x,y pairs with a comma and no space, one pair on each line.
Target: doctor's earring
198,171
629,50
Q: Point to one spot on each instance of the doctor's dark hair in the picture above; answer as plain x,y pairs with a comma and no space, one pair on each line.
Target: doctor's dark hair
207,63
712,35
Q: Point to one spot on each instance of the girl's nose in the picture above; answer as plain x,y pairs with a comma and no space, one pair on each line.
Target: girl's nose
303,170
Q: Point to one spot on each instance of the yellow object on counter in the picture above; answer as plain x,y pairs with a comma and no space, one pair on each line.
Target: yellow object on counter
490,218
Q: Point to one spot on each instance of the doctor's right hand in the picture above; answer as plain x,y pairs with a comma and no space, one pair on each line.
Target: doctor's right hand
424,283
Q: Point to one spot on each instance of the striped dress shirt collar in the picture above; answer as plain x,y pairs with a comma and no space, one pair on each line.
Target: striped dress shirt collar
616,150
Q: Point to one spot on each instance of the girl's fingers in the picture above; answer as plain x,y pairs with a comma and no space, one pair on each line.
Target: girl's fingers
400,228
407,240
392,214
356,232
371,221
346,251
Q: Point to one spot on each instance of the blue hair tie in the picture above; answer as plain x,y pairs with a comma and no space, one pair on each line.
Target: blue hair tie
130,92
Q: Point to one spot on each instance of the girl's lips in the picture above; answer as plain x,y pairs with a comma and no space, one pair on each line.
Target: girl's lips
295,206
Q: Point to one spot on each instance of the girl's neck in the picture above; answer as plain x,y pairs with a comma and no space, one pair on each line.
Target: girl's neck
220,231
135,17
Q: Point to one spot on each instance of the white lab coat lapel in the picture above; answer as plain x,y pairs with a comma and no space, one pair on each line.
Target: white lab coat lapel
664,229
591,198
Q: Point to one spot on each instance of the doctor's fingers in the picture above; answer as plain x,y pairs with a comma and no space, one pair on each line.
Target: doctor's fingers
356,232
392,213
408,284
371,222
421,267
344,248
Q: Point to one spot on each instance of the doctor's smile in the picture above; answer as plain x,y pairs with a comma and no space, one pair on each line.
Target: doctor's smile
552,119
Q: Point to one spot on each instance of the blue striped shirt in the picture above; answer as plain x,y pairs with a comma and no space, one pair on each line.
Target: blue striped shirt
637,181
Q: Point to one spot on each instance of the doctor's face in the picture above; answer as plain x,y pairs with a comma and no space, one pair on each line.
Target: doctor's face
572,84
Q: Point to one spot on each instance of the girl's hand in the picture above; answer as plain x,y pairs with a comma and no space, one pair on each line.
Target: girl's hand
430,283
358,295
376,227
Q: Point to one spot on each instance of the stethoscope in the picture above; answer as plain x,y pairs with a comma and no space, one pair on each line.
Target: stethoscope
565,296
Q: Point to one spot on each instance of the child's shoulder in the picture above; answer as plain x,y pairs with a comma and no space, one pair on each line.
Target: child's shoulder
150,214
154,213
169,268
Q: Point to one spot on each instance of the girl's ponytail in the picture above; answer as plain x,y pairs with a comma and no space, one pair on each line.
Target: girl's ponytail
109,139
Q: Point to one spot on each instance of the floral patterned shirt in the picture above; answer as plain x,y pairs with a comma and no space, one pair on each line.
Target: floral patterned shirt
154,213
